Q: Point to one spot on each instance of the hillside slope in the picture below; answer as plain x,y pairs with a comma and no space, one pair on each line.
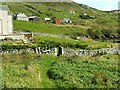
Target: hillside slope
104,23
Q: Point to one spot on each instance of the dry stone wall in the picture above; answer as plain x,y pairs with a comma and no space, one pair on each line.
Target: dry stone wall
63,51
92,52
37,50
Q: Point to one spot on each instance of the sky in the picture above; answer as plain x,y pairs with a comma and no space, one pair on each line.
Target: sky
105,5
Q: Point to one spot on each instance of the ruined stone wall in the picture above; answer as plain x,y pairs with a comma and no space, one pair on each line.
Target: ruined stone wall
92,52
37,50
65,51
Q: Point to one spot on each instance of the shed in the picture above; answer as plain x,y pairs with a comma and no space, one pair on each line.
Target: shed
47,19
57,21
66,20
86,16
34,18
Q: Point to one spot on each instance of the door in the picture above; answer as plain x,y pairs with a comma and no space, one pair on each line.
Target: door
59,51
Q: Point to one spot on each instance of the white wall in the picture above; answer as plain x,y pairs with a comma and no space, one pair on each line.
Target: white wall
23,18
10,25
6,22
1,26
13,37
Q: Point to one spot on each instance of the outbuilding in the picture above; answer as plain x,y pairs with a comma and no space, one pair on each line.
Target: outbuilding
47,19
66,20
57,21
34,18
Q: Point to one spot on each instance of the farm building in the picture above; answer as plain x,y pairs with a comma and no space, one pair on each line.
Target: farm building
56,21
33,18
22,16
66,20
6,26
47,19
86,16
72,11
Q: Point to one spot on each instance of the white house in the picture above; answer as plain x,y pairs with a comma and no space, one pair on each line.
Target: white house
72,11
6,26
22,16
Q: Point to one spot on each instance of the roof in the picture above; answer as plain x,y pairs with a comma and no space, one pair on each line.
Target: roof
22,15
33,17
72,10
5,7
66,19
47,19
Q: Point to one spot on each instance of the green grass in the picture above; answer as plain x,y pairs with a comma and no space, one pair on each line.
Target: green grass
88,73
45,65
27,71
31,71
44,27
43,41
90,43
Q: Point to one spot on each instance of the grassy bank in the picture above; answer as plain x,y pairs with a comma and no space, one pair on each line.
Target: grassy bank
43,71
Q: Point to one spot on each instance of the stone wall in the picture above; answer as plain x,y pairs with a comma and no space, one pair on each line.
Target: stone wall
92,52
37,50
64,51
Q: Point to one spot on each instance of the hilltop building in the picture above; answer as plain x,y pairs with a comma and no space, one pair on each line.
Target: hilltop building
72,11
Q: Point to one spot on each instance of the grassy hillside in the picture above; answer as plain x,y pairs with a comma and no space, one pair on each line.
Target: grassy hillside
107,21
